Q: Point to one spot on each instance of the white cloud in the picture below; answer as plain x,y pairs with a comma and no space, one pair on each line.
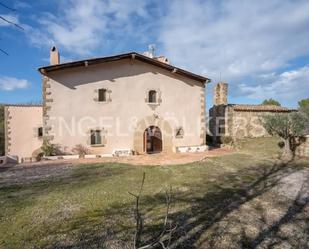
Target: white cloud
11,83
81,26
238,38
290,85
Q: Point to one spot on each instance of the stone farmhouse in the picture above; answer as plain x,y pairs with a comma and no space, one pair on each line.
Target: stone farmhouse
237,121
127,103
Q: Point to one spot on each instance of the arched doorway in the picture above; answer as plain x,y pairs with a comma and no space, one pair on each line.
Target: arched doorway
152,140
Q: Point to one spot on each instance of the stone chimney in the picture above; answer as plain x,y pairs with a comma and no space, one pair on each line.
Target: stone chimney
220,94
54,56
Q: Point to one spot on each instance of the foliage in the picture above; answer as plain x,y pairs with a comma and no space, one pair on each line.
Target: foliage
49,149
2,130
225,140
304,108
288,126
304,105
271,102
81,150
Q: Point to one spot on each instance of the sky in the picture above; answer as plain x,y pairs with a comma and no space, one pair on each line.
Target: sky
261,48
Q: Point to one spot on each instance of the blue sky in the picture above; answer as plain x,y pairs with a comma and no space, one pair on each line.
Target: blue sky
261,48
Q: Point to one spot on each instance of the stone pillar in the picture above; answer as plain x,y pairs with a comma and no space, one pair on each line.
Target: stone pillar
220,94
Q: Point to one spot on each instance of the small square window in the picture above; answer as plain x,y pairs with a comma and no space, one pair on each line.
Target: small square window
179,132
40,132
96,137
102,95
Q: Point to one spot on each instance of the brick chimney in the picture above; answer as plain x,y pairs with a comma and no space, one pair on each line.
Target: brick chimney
220,94
54,56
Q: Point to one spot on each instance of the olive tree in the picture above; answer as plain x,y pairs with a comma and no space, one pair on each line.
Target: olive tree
288,126
271,102
304,106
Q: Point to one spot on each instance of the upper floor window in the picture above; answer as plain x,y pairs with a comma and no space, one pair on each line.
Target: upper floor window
102,95
95,137
152,96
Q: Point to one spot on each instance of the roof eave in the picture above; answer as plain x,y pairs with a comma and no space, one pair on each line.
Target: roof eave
133,55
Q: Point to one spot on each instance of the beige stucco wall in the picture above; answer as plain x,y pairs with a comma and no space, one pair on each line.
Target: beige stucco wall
70,110
21,124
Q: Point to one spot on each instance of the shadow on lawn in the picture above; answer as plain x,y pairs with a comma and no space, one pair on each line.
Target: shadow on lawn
201,212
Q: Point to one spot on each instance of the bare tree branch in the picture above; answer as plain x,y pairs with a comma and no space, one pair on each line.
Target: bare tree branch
165,232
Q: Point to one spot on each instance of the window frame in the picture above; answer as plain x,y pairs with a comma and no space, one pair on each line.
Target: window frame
98,141
104,90
181,135
152,96
40,132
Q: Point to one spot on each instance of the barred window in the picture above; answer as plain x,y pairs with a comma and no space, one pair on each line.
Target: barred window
102,95
96,137
152,96
40,132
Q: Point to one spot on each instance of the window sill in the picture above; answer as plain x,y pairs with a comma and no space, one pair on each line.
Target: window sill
97,145
152,103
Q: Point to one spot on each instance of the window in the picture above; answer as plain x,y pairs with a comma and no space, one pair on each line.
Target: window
179,132
96,137
102,95
40,132
152,96
221,127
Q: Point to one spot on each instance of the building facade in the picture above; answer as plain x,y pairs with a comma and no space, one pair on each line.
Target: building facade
238,120
126,102
23,131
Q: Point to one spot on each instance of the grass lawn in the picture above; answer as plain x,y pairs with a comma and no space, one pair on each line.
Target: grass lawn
248,199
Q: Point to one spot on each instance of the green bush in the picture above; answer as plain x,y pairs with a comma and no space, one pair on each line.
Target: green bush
49,149
225,140
2,130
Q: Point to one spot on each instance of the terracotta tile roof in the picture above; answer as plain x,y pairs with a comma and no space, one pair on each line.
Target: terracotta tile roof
132,55
260,108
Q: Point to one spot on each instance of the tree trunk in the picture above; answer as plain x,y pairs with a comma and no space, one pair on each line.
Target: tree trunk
287,153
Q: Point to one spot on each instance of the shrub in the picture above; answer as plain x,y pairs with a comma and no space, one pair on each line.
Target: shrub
225,140
81,150
49,149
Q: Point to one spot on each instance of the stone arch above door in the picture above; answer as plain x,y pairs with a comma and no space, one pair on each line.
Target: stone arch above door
165,127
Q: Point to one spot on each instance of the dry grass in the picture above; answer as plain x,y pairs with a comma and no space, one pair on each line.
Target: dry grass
239,200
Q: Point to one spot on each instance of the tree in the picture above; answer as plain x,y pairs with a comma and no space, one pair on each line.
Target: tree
304,105
304,108
288,126
1,130
271,102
